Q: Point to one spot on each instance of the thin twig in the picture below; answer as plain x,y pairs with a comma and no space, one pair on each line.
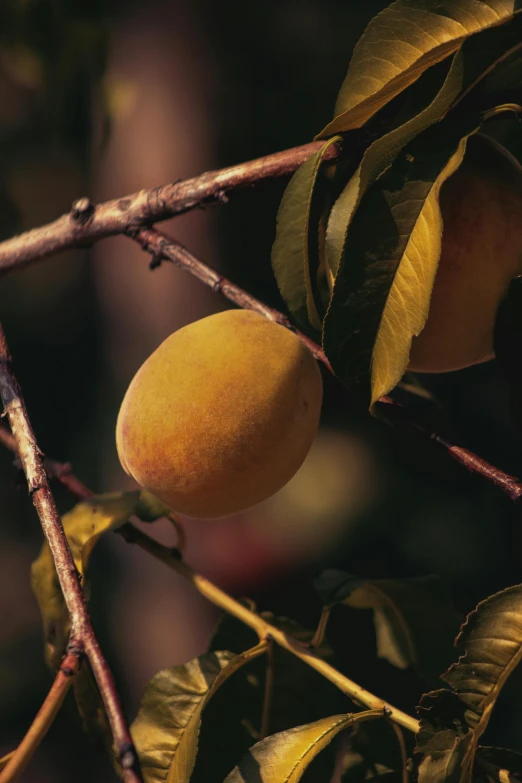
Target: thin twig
402,748
318,637
269,688
47,713
263,628
86,224
81,627
161,246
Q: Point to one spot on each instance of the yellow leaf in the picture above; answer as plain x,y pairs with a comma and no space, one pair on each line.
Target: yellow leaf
408,301
284,757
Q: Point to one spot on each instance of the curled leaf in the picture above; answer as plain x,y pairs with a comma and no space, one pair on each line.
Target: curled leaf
284,757
294,257
167,726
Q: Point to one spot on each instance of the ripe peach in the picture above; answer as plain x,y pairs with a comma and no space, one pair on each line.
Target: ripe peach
221,415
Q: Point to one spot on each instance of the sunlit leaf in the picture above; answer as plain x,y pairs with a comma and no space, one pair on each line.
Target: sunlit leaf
415,620
284,757
294,257
474,60
400,43
167,726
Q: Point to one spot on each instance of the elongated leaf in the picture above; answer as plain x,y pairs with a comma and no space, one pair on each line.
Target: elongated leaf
400,43
83,526
284,757
166,728
472,62
415,620
294,260
382,292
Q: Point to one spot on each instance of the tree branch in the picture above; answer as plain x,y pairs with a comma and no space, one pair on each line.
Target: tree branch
47,713
161,246
172,558
86,223
81,627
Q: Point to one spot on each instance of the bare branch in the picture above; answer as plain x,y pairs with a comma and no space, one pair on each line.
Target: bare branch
46,715
81,627
160,245
86,224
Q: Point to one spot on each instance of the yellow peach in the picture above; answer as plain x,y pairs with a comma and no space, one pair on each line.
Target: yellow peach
221,415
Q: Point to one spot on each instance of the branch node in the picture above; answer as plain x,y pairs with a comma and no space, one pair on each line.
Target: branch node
222,196
127,756
82,210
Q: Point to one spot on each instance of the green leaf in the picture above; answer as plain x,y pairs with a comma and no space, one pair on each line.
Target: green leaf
83,526
167,726
474,60
284,757
294,258
399,44
490,644
415,620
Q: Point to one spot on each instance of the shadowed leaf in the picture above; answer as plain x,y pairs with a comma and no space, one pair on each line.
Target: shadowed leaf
490,644
415,620
294,259
167,726
284,757
400,43
83,526
443,741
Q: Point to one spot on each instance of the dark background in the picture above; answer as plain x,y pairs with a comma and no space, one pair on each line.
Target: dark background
104,100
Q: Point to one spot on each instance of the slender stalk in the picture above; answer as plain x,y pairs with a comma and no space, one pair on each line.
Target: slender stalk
46,715
81,627
86,223
263,628
269,688
402,748
318,637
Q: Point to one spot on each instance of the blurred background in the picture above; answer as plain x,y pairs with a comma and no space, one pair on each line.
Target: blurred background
105,98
